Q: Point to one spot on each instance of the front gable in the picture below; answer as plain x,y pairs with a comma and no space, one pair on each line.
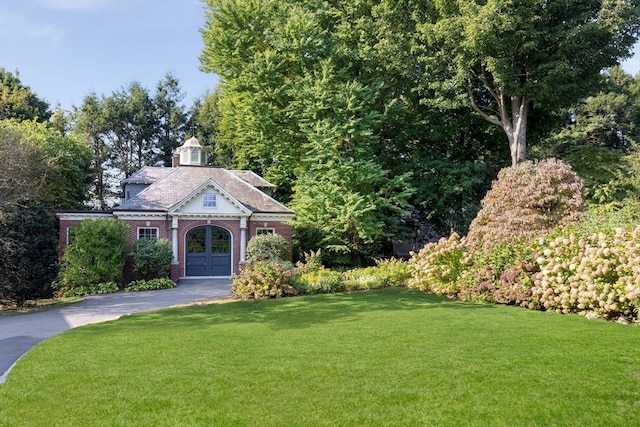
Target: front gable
209,199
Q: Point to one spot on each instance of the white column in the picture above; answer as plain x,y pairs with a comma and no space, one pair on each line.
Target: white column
174,239
243,239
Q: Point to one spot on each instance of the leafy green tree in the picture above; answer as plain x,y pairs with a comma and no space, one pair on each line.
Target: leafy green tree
28,252
511,58
38,162
96,254
18,101
22,169
600,139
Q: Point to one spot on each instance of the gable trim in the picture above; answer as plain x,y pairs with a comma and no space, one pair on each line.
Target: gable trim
209,183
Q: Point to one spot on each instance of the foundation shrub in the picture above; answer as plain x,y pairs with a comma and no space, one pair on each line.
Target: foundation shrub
150,284
267,247
152,258
95,256
263,279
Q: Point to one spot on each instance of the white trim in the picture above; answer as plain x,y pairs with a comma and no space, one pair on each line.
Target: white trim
79,216
271,230
147,228
272,217
137,216
210,183
213,201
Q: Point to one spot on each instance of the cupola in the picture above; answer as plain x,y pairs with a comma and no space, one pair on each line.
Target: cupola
192,153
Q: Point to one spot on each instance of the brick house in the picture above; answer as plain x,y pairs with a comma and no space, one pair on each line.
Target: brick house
207,213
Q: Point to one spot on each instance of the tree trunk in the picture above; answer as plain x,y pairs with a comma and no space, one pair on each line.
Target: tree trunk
518,130
512,119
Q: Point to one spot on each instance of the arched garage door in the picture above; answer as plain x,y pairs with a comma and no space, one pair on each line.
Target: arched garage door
208,252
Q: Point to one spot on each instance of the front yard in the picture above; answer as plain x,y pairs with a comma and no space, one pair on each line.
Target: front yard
384,357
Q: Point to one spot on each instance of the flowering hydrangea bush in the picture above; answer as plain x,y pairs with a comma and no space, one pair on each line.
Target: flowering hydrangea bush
263,279
595,275
438,266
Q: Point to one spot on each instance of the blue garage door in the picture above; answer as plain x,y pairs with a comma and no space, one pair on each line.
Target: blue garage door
208,252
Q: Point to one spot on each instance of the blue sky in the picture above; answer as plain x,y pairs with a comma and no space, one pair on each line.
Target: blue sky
66,49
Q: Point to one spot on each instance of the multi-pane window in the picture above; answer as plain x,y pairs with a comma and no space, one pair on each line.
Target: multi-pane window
264,230
147,233
209,201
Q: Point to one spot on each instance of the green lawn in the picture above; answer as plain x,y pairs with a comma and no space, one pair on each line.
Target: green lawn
393,357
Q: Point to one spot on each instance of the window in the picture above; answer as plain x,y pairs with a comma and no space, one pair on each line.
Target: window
147,233
209,201
195,156
263,230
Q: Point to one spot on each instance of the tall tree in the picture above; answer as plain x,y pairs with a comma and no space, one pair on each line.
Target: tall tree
18,101
601,140
133,129
512,57
90,124
171,117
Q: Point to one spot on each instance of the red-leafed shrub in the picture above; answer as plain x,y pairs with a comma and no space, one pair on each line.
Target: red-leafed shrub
528,200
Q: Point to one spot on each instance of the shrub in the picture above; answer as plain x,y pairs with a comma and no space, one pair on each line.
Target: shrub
96,254
438,266
528,200
591,275
565,272
28,252
321,281
152,257
500,274
267,247
151,284
90,289
389,272
263,279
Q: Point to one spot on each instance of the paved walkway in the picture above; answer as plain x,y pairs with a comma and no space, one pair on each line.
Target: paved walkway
20,332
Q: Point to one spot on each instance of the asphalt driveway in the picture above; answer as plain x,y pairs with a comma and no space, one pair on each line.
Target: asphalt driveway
20,332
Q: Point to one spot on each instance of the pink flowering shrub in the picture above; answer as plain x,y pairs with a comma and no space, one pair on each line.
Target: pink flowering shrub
263,279
526,201
500,274
595,275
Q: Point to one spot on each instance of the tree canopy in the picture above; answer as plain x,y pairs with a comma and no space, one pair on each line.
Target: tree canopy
513,57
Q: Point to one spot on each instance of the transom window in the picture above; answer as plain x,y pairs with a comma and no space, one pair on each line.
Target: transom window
265,230
209,201
147,233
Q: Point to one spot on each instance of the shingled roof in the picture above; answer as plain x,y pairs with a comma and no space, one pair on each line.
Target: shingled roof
169,187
